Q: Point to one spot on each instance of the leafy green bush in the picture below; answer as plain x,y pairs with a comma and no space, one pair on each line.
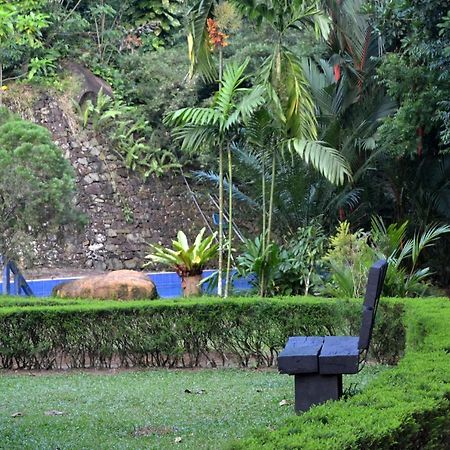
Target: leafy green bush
407,407
78,333
352,253
349,258
290,269
36,185
301,261
156,82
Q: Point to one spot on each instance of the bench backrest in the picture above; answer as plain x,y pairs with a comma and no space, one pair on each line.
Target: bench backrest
374,287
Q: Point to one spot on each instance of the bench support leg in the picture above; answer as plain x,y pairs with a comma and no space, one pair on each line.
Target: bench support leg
313,388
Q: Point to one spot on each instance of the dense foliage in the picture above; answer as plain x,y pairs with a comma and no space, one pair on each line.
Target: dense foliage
350,114
36,185
47,333
338,266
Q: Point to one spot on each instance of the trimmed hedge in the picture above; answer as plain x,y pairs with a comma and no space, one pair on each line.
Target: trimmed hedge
407,407
52,333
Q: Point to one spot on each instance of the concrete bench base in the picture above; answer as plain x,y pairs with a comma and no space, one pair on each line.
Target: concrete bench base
313,389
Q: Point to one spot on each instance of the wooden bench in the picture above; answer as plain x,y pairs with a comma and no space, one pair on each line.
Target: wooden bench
319,362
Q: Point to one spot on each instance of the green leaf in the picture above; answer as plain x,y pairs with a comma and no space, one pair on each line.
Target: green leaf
328,161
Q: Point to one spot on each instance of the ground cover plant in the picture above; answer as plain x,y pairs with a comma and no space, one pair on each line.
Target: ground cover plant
144,409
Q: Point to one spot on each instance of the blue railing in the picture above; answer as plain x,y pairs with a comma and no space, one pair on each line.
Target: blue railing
19,285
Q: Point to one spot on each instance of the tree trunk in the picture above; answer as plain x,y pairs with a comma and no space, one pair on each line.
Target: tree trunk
191,286
219,278
230,221
272,193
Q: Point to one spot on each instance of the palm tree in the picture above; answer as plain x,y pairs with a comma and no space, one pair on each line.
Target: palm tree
215,127
292,124
351,105
291,108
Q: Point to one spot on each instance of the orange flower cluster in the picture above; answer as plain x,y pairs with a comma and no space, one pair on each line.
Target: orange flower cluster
216,37
132,41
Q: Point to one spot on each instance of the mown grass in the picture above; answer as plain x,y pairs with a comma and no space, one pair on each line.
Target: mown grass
156,409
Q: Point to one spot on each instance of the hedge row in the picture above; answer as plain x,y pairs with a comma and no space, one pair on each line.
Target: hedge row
47,334
407,407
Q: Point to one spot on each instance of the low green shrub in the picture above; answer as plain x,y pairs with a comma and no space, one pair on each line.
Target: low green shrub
165,333
407,407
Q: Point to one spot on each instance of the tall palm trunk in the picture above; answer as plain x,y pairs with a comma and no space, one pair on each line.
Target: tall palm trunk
271,197
230,220
220,270
267,237
220,273
263,192
276,82
264,218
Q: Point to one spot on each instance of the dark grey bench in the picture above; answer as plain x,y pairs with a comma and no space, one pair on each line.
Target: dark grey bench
319,362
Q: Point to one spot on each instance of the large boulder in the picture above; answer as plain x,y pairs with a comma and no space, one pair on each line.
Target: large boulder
117,285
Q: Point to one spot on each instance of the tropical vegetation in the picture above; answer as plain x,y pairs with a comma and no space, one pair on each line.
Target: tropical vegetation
320,126
303,110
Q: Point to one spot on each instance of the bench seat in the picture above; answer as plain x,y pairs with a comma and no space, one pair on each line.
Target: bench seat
325,355
339,354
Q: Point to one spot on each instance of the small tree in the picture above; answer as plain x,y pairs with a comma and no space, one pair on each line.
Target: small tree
36,185
216,127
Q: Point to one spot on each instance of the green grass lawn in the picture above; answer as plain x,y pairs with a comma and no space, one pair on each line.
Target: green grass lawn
144,409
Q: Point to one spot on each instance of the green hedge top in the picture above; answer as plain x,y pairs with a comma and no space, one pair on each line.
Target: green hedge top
407,407
53,333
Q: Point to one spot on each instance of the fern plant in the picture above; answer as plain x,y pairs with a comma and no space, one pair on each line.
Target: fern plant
101,113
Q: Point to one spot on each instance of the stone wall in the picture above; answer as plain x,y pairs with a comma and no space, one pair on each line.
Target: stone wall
124,213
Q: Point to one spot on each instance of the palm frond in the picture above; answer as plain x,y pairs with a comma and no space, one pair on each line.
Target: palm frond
299,109
213,178
195,138
389,239
252,101
192,116
259,128
328,161
233,77
427,239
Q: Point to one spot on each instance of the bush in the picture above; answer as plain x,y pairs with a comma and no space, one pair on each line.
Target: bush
36,184
407,407
78,333
352,253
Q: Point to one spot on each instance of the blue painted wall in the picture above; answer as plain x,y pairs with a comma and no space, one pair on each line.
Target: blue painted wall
168,284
